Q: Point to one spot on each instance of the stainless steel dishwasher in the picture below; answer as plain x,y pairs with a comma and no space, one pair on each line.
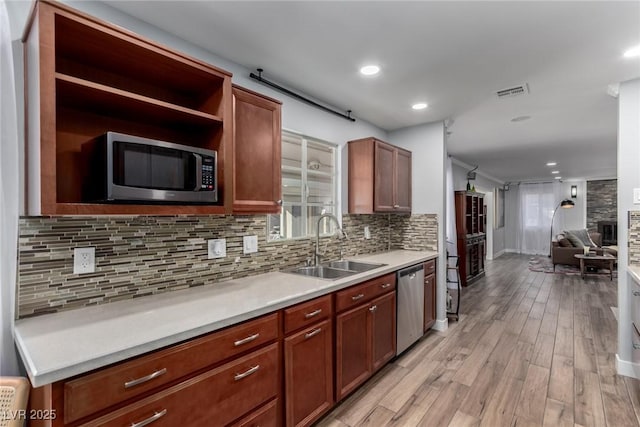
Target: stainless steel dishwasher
410,310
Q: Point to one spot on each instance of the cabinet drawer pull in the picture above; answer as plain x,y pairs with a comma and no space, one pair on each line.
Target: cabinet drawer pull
247,373
144,379
313,313
357,297
373,308
396,206
312,333
279,202
385,286
636,293
156,416
246,340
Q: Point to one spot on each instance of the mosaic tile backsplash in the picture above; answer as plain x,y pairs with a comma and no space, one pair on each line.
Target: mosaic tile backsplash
634,238
144,255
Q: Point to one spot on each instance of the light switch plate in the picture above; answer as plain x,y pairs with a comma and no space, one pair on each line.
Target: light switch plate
84,260
216,248
249,244
636,196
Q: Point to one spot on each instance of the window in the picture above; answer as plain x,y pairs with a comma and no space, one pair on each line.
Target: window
308,187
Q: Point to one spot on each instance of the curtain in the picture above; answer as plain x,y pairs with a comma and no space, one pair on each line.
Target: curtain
9,197
536,206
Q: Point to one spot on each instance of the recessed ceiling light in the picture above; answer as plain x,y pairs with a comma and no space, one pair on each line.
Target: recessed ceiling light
551,164
554,172
370,70
520,118
633,52
558,177
419,106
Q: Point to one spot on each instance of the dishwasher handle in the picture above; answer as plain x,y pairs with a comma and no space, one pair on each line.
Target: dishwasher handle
410,270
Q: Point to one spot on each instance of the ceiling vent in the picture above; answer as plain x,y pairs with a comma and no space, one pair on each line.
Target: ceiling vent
522,89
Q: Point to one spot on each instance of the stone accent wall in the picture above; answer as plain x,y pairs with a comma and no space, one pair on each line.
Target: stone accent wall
602,202
144,255
634,238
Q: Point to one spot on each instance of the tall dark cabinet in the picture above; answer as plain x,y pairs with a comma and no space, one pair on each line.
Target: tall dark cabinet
471,225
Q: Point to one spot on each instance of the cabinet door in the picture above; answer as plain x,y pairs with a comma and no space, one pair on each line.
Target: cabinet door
353,351
309,374
429,301
384,189
256,153
382,314
403,181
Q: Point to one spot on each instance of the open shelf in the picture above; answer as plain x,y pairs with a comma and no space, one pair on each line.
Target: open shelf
86,77
78,93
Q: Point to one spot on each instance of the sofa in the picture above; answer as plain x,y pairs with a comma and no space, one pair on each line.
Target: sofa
562,254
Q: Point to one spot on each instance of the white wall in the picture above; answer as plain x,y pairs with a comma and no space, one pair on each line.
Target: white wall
428,184
628,179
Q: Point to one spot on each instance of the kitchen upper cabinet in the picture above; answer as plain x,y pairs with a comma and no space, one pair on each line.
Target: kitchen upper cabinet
256,153
366,333
85,77
379,177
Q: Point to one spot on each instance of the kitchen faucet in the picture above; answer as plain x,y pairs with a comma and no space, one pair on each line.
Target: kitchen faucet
317,253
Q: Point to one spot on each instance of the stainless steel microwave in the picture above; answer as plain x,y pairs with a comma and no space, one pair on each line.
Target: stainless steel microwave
126,168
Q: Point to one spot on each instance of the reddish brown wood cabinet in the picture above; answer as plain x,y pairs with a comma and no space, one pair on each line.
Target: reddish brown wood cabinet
429,294
309,374
256,153
471,230
213,379
85,77
308,361
379,177
365,334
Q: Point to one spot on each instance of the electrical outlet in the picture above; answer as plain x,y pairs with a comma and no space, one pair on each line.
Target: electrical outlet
636,196
367,233
84,260
249,244
217,248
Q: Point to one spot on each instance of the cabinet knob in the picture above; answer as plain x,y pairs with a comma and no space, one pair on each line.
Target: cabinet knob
279,202
636,346
636,293
373,308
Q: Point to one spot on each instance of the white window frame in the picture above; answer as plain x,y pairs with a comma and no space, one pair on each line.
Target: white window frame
304,204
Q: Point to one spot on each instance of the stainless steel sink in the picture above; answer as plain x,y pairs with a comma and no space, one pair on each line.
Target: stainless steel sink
321,272
356,266
334,269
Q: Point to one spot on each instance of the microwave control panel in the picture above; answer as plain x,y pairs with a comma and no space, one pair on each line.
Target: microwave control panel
208,174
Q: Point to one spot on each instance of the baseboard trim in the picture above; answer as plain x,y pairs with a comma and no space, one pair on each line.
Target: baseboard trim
441,325
628,369
499,254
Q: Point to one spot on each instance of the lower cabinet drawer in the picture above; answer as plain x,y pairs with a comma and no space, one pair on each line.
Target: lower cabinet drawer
216,397
364,292
99,390
267,416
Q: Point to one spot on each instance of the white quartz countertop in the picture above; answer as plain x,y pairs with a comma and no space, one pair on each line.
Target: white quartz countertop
61,345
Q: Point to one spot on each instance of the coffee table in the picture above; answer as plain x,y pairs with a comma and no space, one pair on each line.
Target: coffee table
596,261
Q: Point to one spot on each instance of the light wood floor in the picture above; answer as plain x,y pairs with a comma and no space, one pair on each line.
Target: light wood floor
531,349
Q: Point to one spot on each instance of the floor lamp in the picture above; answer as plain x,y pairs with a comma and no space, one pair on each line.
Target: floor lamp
565,204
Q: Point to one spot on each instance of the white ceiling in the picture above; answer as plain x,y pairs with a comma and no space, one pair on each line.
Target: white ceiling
453,55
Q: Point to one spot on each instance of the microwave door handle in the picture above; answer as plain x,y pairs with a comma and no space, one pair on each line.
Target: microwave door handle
198,172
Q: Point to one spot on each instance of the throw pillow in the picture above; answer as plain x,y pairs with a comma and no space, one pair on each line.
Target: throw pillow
580,238
565,243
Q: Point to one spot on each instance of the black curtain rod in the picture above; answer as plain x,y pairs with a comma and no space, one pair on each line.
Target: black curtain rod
261,79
